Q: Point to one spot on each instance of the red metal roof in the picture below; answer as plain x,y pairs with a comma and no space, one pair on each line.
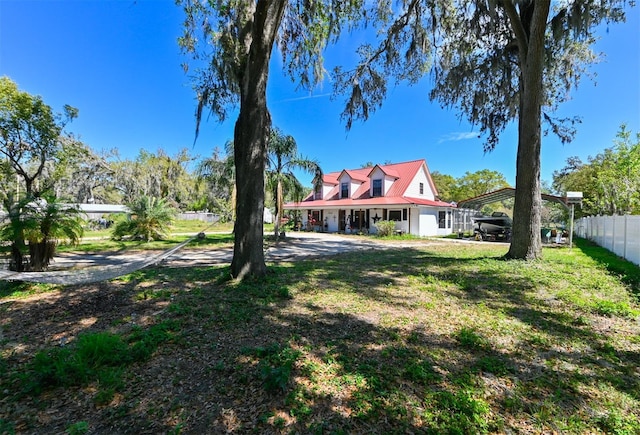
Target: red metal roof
403,172
368,202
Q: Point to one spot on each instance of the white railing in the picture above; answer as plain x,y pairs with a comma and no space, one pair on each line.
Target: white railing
618,234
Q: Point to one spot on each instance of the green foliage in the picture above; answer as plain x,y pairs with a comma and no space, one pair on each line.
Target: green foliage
100,356
275,366
478,183
78,428
420,371
36,226
616,423
457,413
283,159
610,181
217,175
30,132
469,185
493,364
445,185
6,427
385,228
150,220
155,175
470,339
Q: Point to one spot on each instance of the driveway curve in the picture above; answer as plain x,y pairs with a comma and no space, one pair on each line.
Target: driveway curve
77,268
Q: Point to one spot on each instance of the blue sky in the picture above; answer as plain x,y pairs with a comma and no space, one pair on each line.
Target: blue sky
118,62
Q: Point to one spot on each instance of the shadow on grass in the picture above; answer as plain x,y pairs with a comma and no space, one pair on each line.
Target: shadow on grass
628,272
390,341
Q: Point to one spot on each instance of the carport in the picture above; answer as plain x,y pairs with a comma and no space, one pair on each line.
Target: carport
507,193
502,194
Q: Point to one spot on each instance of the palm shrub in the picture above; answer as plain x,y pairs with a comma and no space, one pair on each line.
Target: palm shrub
36,226
283,160
150,219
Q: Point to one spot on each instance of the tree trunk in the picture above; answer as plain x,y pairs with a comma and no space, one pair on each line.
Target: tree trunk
279,201
526,241
250,143
40,254
16,263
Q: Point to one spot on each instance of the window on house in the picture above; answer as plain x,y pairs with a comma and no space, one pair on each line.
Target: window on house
318,193
344,190
449,220
377,187
421,188
442,219
395,215
315,217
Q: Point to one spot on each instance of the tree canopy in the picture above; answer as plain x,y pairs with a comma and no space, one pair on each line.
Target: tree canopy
495,62
610,181
230,43
29,131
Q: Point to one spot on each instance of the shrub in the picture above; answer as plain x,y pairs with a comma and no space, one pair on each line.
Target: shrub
386,228
150,220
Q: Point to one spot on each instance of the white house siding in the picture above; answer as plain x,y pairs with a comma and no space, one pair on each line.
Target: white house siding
332,220
415,221
414,187
326,188
387,183
372,224
428,221
353,186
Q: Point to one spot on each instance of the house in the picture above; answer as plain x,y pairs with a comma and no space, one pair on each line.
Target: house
354,200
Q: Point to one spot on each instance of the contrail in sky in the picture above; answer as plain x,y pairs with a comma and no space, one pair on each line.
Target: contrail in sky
303,98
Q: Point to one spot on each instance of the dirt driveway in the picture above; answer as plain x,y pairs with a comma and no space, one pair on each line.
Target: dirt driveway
75,268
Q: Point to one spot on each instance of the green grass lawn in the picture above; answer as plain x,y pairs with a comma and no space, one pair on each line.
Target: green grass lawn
439,338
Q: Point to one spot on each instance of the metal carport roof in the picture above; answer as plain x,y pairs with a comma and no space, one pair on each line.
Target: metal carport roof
500,195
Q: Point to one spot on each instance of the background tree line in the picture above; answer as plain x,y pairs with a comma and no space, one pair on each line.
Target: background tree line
40,158
610,181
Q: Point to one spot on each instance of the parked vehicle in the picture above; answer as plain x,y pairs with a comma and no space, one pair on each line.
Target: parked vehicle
493,228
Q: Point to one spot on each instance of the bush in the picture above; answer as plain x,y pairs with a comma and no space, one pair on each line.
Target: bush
150,220
386,228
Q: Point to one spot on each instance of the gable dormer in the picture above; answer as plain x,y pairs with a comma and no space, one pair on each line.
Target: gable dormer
348,183
381,180
329,184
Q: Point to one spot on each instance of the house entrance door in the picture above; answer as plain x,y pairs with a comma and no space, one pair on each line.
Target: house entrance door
359,221
342,225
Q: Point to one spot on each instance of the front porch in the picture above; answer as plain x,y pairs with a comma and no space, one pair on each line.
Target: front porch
418,221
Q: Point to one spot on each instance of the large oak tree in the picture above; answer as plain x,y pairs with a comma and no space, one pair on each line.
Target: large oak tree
231,43
495,61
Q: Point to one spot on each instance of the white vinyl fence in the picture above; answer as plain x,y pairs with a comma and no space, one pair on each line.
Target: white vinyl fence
618,234
199,216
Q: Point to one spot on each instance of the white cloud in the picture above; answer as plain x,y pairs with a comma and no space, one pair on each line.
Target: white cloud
456,136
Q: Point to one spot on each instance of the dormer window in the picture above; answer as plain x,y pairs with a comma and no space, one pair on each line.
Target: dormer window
318,193
377,187
344,190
